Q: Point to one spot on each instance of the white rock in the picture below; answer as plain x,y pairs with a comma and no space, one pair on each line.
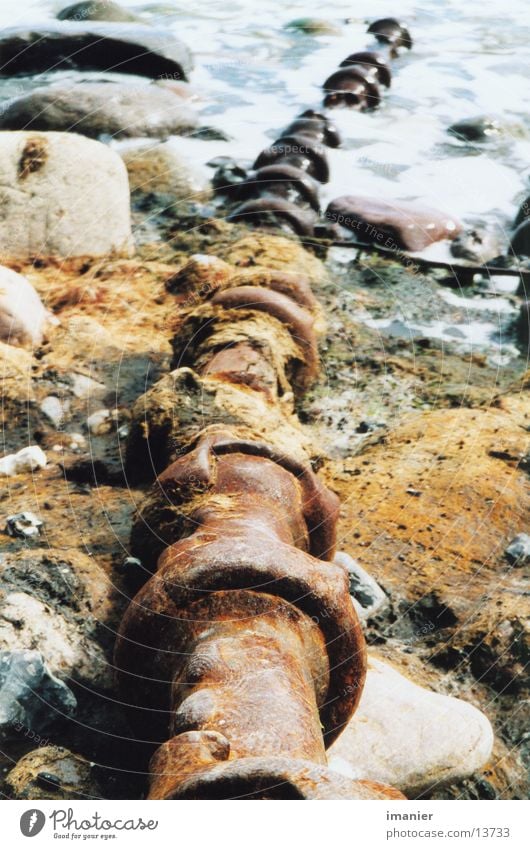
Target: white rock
26,460
99,422
54,409
367,595
26,622
23,317
86,387
518,552
24,525
410,737
62,195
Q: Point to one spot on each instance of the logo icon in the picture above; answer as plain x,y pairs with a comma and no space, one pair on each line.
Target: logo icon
32,822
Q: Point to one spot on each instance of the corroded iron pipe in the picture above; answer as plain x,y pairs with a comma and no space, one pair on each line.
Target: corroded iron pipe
243,652
243,648
242,632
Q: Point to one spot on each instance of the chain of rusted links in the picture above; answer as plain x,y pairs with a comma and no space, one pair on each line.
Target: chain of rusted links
242,652
283,186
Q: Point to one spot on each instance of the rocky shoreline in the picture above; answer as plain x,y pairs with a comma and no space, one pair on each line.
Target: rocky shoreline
425,443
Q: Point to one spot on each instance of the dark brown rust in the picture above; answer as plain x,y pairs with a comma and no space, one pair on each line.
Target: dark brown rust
275,211
354,85
283,180
295,286
197,766
242,631
373,61
243,646
301,151
296,318
203,275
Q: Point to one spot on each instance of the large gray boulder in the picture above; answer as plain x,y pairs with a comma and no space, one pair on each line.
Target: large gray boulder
97,109
61,195
53,600
121,47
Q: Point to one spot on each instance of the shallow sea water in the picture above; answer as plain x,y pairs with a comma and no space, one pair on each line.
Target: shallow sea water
254,75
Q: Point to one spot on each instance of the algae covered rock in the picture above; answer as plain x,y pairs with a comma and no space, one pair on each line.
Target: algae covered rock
52,772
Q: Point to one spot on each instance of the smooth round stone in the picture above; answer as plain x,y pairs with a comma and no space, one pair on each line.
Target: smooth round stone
392,224
96,10
410,737
23,316
101,109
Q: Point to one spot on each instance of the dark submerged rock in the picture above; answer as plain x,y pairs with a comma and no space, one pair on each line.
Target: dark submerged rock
520,241
477,129
124,48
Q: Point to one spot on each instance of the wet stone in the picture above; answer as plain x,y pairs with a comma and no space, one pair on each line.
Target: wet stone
478,129
31,697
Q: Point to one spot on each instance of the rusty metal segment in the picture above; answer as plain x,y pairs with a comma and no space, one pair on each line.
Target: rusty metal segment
197,766
285,309
197,467
196,566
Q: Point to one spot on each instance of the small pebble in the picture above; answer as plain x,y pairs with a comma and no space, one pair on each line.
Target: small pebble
518,551
99,422
54,409
24,525
367,595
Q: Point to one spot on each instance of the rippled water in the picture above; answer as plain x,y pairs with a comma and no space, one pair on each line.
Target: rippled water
254,75
469,58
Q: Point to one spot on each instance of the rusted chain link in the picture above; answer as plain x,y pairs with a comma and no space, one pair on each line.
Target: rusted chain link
282,188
